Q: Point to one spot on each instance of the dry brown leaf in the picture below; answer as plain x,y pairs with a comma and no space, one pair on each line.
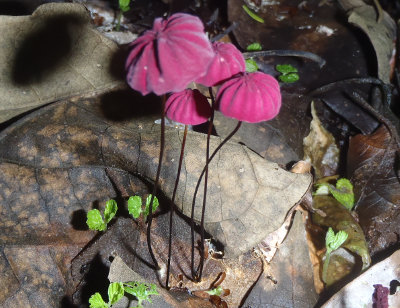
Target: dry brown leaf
52,54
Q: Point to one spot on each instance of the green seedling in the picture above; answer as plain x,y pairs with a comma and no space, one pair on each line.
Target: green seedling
115,293
289,73
254,47
94,219
141,291
252,14
216,291
332,243
116,290
135,206
251,66
123,7
343,192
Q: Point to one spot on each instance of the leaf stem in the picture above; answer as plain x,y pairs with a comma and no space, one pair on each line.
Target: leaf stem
326,265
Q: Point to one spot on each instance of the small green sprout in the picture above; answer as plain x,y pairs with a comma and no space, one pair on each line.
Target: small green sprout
289,73
94,219
343,192
141,291
332,243
251,66
252,14
135,206
216,291
124,5
116,291
254,47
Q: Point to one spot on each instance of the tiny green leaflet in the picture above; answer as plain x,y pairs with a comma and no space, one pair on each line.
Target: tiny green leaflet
343,192
141,291
251,66
289,73
254,47
216,291
332,242
124,5
135,206
94,219
115,293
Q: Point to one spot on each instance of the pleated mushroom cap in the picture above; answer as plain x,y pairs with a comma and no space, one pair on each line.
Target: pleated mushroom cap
188,107
250,97
228,61
170,56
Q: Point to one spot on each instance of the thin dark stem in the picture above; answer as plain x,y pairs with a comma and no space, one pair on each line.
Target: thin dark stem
150,217
173,203
210,126
232,27
198,185
286,53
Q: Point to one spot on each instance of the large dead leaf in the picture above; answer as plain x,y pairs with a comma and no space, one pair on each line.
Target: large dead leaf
63,160
52,54
371,165
288,280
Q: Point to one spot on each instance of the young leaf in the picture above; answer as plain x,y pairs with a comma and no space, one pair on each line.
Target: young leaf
333,241
135,206
286,69
115,292
140,290
147,208
216,291
252,14
343,193
110,210
251,66
124,5
254,47
95,221
96,301
289,78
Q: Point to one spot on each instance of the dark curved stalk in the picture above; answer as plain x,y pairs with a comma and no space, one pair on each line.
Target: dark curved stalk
232,27
150,217
173,203
286,53
195,194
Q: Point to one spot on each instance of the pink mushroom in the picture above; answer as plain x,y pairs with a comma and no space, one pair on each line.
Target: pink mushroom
228,61
250,97
188,107
170,56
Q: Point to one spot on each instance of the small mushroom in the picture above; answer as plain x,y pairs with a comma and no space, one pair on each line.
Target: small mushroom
228,61
250,97
188,107
169,56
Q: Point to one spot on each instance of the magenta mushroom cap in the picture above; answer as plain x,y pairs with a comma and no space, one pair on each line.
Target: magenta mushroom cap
188,107
250,97
170,56
228,61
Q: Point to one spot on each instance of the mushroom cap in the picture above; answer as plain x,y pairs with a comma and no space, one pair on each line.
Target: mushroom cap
228,61
188,107
170,56
250,97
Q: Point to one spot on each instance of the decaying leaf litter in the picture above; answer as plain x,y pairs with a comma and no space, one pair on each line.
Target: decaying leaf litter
57,236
